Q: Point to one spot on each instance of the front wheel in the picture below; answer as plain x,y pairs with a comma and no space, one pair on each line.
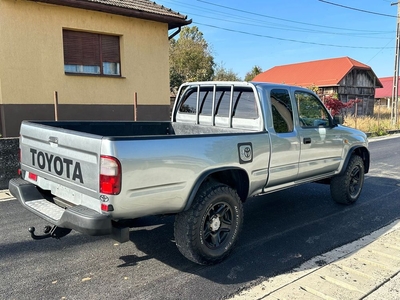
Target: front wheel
207,232
346,188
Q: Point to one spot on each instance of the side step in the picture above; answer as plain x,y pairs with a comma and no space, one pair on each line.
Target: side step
46,208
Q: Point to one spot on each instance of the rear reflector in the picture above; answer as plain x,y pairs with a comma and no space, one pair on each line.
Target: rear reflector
32,176
110,175
106,207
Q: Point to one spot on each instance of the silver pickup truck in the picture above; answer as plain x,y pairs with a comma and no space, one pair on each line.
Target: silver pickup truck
226,142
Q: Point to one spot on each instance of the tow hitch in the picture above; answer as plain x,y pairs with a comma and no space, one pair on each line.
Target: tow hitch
54,232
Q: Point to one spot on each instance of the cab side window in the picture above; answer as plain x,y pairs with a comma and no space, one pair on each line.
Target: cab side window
244,104
223,103
282,113
189,102
312,113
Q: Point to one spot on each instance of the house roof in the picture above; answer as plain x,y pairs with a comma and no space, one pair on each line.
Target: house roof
142,9
326,72
387,90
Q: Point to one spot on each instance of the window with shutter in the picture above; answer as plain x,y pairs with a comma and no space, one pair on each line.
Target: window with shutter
91,53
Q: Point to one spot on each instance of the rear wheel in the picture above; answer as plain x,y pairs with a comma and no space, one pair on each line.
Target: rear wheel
346,188
207,232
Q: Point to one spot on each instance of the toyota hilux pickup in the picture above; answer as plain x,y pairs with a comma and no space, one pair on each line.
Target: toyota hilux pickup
226,142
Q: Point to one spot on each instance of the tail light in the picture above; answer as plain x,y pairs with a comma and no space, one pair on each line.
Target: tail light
110,175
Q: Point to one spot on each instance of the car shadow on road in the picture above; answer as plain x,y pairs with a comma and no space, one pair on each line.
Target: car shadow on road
280,232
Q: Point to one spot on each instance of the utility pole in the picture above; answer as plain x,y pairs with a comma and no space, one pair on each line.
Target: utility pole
395,93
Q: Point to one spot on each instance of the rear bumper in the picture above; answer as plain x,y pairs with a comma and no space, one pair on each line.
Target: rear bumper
79,218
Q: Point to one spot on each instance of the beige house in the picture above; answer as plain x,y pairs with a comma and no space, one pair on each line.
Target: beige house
96,54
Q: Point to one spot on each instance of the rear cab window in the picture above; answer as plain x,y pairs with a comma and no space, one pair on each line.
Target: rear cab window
219,105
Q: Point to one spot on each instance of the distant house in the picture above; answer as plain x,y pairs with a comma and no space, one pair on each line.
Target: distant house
343,76
384,94
95,53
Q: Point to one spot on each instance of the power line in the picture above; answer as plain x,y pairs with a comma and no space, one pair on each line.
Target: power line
287,40
261,23
200,8
357,9
276,18
298,29
383,48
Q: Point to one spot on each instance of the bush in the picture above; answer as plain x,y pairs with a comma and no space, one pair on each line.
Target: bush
335,106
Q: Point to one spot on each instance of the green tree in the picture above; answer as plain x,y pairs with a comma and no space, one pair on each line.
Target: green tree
222,74
253,73
190,58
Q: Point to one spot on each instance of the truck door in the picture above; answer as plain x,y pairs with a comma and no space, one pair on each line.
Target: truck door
285,149
321,146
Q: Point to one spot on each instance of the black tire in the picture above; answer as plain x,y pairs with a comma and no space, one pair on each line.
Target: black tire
346,188
207,232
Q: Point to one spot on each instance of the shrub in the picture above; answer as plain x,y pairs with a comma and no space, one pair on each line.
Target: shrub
335,106
376,125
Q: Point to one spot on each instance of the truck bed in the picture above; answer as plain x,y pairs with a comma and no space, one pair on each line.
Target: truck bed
115,129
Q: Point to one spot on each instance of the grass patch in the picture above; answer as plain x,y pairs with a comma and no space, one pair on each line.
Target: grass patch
376,125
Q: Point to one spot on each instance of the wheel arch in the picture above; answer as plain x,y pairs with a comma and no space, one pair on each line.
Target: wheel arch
235,178
360,151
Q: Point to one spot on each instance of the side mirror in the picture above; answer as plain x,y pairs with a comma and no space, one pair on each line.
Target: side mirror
338,119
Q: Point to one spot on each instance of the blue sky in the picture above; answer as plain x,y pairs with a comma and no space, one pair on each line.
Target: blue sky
270,33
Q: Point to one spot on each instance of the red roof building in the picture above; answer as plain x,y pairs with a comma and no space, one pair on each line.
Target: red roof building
384,94
343,76
387,89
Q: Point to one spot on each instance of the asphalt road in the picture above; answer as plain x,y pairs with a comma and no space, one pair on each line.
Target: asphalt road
280,232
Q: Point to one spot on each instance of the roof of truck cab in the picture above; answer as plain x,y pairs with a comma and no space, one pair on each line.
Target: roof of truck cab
241,83
273,84
249,83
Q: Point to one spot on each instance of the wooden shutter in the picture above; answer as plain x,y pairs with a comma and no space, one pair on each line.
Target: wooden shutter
81,48
110,48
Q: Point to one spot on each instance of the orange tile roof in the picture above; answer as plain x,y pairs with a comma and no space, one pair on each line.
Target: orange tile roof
326,72
143,9
387,90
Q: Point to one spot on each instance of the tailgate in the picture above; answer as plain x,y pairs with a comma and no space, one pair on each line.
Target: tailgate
64,160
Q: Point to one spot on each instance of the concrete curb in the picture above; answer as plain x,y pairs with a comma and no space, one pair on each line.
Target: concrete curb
5,195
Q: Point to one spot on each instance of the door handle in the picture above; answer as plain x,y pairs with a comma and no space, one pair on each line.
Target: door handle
307,140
